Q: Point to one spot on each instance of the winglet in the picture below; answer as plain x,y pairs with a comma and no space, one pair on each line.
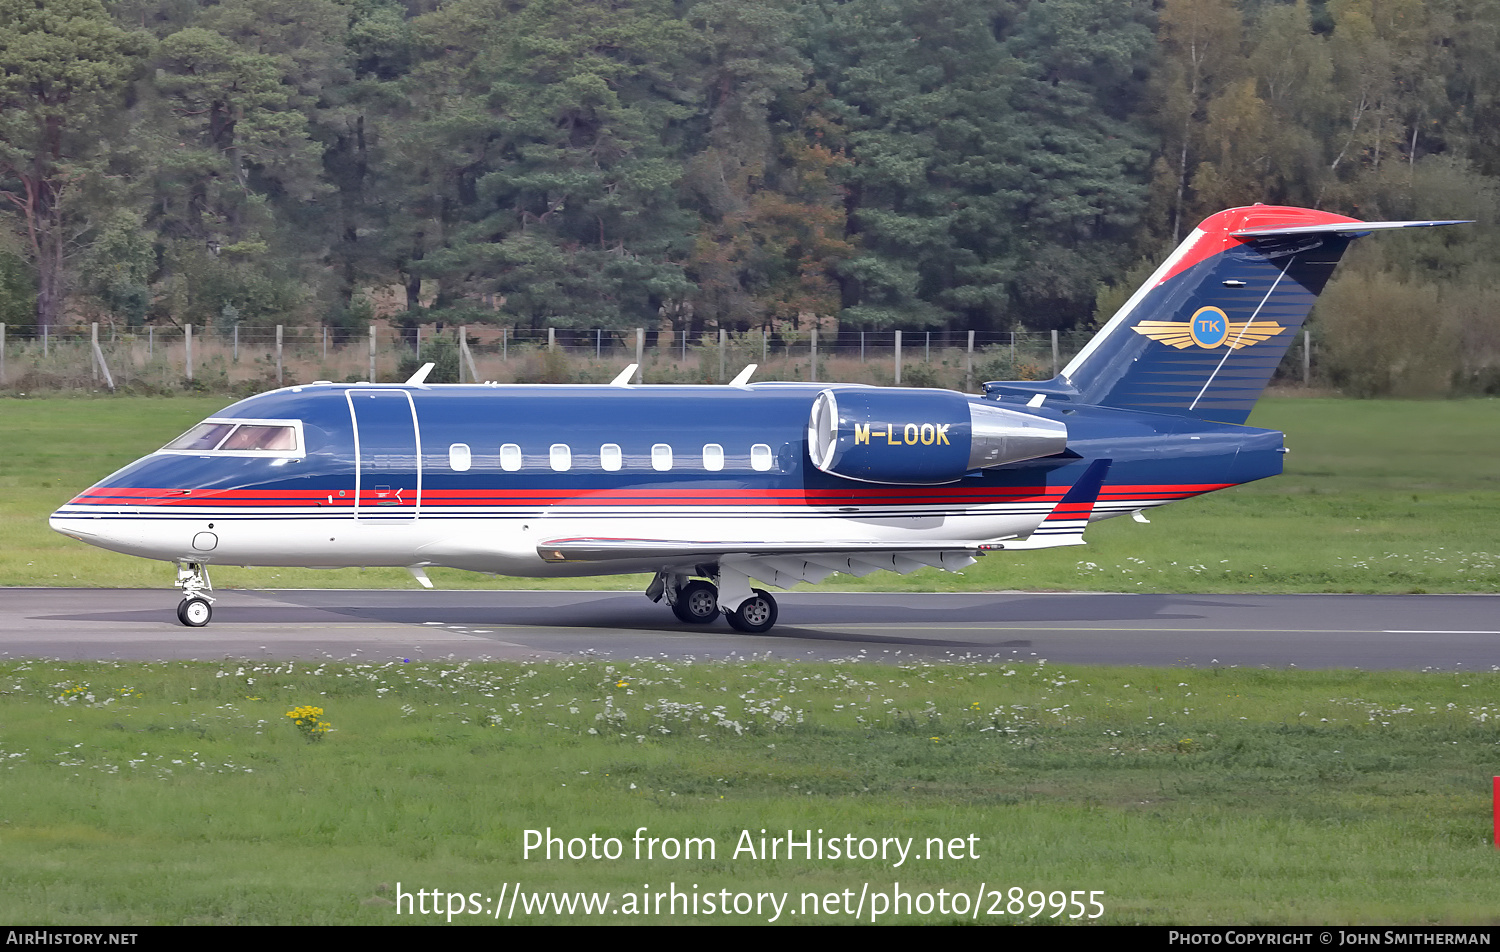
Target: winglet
623,378
1064,525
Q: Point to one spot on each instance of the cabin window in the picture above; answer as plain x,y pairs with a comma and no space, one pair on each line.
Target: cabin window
562,457
713,457
610,457
760,457
661,457
510,457
459,457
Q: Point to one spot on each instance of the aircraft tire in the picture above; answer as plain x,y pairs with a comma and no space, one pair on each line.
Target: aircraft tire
195,612
756,615
697,603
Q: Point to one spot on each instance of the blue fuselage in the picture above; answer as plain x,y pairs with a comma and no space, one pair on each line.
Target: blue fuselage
478,476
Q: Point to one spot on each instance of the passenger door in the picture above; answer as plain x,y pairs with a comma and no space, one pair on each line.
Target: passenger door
388,453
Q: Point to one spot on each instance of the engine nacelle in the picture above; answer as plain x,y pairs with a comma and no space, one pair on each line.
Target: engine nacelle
921,437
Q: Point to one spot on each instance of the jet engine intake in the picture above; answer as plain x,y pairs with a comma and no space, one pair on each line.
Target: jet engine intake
921,437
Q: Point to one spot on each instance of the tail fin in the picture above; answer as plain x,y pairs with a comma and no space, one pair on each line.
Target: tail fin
1204,334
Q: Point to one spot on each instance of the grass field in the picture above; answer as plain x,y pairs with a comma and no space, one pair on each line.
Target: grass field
1378,496
183,793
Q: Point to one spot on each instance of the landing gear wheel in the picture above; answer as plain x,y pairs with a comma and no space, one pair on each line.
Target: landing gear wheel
697,603
194,612
757,614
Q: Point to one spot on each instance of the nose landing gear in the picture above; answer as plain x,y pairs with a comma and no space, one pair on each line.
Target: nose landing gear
196,607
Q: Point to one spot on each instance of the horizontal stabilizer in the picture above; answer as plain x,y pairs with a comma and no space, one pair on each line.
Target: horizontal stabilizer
1348,229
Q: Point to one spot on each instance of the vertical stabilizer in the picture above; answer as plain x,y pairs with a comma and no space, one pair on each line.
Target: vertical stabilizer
1205,333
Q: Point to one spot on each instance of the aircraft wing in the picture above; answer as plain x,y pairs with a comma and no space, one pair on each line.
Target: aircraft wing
783,562
605,550
780,564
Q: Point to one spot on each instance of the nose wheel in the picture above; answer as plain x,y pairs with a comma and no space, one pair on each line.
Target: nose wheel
196,608
195,612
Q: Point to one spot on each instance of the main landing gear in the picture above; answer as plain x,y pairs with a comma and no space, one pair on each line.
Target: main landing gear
755,614
696,602
196,608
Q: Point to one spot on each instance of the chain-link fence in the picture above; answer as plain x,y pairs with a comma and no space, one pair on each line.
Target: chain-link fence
244,360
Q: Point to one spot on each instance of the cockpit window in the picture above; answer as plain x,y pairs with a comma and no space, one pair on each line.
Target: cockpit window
257,437
204,436
276,438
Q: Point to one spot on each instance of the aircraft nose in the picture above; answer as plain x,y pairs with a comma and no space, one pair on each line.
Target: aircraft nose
73,526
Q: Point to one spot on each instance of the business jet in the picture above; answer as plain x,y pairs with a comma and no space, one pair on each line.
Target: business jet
711,488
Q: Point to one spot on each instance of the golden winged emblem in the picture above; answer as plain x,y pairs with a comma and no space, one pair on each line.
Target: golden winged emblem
1209,328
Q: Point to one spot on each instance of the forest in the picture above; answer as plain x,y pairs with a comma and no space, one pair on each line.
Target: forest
777,165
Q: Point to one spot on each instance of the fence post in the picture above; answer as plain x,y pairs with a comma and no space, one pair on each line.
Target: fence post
551,338
927,353
2,353
814,371
640,353
468,355
151,342
44,340
236,343
325,342
372,353
187,340
969,364
723,354
598,343
94,351
898,358
861,346
278,350
1306,359
765,347
1054,352
99,364
505,344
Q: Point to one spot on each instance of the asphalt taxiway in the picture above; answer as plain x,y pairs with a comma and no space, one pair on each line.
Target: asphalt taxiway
1410,632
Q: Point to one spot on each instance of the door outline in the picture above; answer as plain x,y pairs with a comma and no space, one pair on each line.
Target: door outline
363,509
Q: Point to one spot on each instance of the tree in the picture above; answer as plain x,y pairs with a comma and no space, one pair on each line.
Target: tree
63,64
773,221
1200,42
996,168
546,159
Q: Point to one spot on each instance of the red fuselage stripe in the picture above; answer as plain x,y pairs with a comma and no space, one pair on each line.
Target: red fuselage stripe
244,498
